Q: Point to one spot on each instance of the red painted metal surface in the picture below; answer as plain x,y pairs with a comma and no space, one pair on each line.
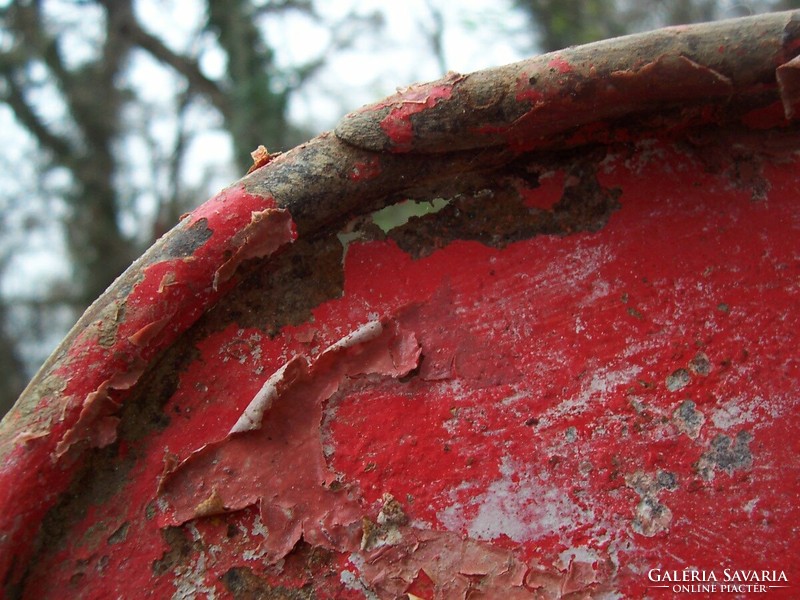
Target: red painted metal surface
595,412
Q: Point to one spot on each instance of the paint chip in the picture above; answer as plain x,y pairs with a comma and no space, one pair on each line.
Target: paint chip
267,231
274,457
677,380
688,419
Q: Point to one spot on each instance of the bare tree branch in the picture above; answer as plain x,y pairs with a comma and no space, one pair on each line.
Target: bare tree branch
344,33
14,96
304,6
169,201
26,20
183,65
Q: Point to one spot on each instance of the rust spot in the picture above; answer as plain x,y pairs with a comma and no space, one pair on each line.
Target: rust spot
119,535
499,217
301,277
184,240
392,512
179,550
93,486
143,411
243,584
369,533
387,529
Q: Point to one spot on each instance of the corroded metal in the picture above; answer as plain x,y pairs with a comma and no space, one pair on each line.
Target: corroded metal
576,377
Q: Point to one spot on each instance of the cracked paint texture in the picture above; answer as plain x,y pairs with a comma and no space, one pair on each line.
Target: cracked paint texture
277,461
105,354
552,417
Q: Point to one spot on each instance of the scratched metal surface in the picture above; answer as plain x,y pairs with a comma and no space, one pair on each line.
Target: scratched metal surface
584,367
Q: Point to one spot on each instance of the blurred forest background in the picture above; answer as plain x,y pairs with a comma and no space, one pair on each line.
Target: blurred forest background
117,116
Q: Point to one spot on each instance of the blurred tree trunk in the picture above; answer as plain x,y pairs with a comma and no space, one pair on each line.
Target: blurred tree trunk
93,102
257,106
252,99
562,23
12,370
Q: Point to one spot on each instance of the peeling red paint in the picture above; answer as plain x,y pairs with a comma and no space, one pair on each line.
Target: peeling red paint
551,415
85,401
668,317
399,559
397,124
541,422
97,423
267,231
460,568
286,475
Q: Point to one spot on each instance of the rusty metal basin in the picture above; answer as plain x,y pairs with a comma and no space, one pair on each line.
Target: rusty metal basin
577,377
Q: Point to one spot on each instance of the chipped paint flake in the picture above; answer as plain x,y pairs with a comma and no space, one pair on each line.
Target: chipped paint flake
98,420
302,498
268,230
261,157
454,567
262,401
